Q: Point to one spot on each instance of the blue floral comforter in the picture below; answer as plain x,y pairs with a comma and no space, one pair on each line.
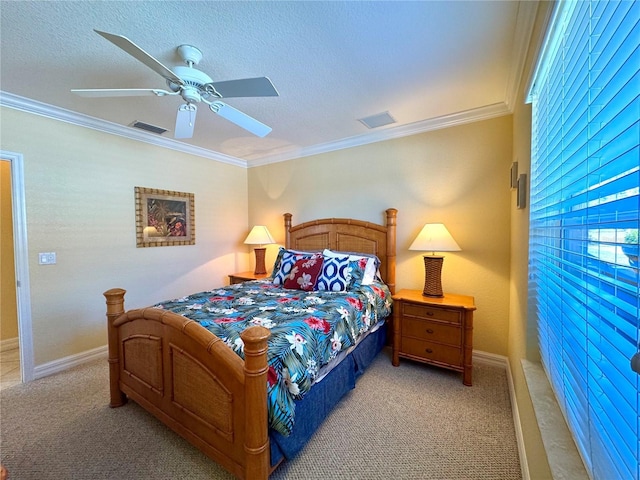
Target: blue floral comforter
308,329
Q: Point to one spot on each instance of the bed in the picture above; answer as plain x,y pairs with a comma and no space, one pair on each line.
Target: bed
221,401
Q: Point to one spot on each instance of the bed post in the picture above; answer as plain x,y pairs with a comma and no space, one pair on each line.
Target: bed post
256,443
115,308
392,214
287,227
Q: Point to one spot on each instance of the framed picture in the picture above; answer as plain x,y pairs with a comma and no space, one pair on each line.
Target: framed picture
164,218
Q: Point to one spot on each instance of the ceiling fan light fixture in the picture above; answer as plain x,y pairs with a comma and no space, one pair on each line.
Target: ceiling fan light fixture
190,94
192,85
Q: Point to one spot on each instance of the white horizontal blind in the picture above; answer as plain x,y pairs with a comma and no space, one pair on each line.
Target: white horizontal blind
585,203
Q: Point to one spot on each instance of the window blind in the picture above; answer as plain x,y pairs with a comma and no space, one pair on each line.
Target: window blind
584,220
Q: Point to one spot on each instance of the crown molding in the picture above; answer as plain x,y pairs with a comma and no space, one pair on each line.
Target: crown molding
27,105
436,123
525,22
445,121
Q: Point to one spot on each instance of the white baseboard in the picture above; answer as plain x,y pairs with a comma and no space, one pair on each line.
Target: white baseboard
9,344
65,363
490,359
503,362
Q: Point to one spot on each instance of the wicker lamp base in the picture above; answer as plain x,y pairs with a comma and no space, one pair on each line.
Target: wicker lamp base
432,276
260,268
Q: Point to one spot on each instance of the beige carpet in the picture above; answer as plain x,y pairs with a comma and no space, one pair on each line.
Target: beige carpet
425,425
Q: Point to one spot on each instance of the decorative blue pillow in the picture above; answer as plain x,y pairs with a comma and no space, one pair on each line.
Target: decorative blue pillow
335,275
287,261
362,266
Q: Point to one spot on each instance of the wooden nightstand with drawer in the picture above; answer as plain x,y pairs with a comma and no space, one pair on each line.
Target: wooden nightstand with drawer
434,330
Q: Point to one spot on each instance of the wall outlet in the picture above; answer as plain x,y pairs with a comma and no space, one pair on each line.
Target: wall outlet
48,258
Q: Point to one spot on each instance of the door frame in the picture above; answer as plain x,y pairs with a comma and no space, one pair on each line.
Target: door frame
21,260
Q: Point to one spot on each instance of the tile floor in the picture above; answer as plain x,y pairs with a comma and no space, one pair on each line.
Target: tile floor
9,368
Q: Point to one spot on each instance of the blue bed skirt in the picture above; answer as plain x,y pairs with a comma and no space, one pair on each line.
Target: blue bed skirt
324,396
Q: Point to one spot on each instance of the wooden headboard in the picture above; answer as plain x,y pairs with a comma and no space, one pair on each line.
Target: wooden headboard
348,235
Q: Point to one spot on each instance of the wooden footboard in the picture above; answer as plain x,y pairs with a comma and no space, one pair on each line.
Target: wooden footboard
194,383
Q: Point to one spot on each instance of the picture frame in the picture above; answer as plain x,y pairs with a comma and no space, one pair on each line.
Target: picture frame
164,218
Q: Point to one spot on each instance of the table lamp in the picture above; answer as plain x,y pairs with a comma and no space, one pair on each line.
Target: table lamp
434,237
259,235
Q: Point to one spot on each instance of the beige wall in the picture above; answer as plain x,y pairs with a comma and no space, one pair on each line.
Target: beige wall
522,336
458,176
522,331
79,193
8,304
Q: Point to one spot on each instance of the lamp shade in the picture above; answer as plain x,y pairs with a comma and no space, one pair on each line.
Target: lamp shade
434,237
259,235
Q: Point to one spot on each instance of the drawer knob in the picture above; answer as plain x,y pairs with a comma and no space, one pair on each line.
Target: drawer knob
428,350
429,330
430,314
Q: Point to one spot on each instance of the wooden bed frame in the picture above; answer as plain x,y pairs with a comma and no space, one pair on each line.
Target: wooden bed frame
194,383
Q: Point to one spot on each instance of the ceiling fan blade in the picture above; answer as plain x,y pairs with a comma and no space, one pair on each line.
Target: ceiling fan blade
119,92
139,54
185,120
245,87
241,119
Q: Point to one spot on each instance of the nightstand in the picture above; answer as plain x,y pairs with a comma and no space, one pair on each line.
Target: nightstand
246,276
434,330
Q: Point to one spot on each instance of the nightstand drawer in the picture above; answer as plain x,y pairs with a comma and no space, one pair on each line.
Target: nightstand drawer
434,352
431,313
433,331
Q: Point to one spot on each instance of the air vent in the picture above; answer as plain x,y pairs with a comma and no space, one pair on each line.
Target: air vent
378,120
147,127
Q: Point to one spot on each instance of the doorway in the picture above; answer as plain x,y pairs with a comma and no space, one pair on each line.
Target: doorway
21,263
9,351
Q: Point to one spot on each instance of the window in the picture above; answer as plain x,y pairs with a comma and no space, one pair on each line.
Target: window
585,178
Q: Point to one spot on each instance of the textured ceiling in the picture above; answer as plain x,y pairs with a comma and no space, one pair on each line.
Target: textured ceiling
424,62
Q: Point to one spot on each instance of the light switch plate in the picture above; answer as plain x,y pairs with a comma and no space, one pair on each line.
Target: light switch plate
48,258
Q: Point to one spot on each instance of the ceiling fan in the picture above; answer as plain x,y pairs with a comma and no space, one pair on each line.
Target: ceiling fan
193,86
